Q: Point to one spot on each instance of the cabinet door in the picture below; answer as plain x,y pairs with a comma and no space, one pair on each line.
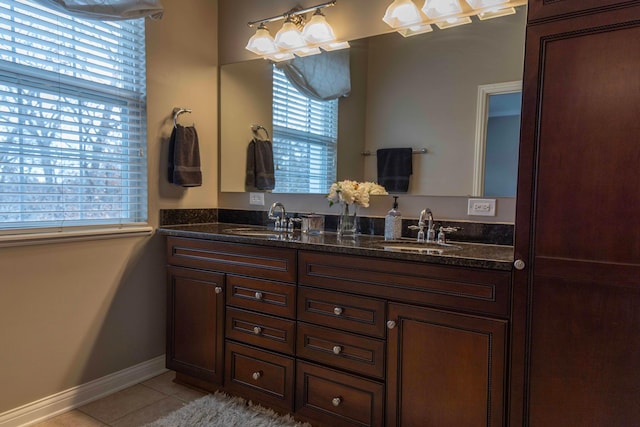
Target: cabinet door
444,369
546,9
195,323
575,339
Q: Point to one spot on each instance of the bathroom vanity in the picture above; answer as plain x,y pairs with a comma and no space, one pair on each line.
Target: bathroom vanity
341,333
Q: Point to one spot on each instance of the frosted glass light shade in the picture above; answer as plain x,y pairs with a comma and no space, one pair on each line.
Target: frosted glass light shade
453,22
280,56
261,43
414,30
318,30
289,37
402,13
496,13
440,8
481,4
307,51
335,46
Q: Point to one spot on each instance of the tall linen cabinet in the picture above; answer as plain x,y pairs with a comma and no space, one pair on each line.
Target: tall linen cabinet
575,341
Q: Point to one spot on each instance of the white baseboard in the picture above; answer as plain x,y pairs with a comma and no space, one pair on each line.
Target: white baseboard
81,395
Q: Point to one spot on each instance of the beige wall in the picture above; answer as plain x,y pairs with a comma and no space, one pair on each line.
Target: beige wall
74,312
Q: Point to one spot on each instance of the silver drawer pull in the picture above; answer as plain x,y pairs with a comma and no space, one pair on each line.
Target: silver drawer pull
337,311
218,289
391,324
259,295
257,330
336,401
337,349
256,375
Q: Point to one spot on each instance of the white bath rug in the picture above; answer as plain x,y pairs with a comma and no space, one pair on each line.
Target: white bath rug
221,410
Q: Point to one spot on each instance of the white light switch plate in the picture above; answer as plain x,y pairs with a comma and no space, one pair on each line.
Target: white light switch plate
256,199
482,207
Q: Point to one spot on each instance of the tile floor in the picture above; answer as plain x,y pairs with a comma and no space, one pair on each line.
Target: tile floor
131,407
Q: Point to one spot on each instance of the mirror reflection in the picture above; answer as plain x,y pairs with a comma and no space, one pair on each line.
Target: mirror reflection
418,92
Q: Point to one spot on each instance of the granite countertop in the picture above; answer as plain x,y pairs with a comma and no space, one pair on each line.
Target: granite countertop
495,257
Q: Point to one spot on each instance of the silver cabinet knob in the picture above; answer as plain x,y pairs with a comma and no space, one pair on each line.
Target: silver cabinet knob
218,289
259,295
336,401
257,330
337,311
519,264
256,375
391,324
337,349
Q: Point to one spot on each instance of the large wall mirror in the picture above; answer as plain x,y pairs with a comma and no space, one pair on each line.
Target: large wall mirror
419,92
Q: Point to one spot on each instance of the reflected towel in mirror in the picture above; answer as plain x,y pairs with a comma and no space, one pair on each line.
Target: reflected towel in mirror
394,168
260,169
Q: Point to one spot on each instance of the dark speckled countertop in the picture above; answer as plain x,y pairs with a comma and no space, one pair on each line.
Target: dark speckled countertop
495,257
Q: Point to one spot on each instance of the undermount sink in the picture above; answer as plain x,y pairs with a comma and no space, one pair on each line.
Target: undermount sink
431,248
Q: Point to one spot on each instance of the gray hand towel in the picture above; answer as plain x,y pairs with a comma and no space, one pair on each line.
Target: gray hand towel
260,170
184,157
395,168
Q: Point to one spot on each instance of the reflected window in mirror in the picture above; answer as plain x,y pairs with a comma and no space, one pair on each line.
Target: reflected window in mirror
305,136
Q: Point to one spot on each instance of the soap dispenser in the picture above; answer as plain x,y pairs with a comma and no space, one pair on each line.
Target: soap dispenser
393,222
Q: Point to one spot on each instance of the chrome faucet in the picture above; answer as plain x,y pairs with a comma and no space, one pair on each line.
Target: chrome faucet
430,235
281,222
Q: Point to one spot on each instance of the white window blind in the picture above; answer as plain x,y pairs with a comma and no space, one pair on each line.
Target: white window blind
72,120
305,134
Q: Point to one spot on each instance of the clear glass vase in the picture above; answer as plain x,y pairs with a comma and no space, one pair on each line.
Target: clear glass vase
348,220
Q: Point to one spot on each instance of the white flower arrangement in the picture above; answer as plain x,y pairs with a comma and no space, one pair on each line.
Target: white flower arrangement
354,192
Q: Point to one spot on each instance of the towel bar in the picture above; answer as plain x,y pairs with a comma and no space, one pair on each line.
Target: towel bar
420,151
257,128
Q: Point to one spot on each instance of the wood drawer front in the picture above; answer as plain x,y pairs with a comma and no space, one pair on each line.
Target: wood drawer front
250,260
342,311
274,373
355,353
272,333
360,401
262,295
461,288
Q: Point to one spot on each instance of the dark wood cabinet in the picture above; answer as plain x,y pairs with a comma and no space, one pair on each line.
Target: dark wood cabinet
445,369
322,347
575,338
195,322
554,9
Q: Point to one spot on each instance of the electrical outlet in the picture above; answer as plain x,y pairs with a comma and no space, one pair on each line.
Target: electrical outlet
482,207
256,199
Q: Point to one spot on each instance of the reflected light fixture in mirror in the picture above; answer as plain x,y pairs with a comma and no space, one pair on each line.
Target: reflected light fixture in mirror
402,13
408,20
295,38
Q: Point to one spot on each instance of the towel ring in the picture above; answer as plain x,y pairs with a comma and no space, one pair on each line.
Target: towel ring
177,112
257,128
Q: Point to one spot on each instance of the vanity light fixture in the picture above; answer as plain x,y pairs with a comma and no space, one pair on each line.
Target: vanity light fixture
402,13
405,17
262,43
441,8
295,38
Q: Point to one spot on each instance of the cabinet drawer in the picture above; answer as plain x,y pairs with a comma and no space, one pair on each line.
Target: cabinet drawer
342,311
269,332
355,353
260,375
460,288
338,399
249,260
262,295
